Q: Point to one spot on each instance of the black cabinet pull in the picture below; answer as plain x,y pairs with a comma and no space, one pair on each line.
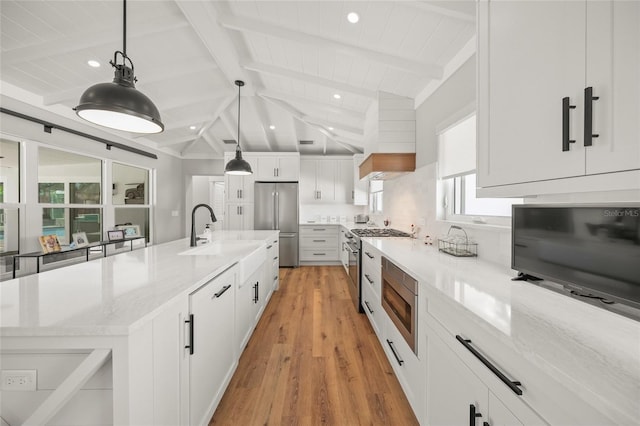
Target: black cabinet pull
473,415
190,345
588,116
221,292
255,292
393,349
566,124
368,278
369,308
513,385
269,246
369,255
485,424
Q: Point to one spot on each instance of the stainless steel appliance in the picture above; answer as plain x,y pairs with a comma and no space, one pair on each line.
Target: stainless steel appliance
400,300
361,218
354,246
276,207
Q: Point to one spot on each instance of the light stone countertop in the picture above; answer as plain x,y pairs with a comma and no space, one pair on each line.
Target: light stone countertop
573,341
115,294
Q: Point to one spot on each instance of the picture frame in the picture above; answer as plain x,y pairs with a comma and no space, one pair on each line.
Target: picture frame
115,235
49,243
130,231
80,239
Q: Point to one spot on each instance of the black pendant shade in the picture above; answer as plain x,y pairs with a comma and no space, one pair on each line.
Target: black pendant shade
118,105
238,166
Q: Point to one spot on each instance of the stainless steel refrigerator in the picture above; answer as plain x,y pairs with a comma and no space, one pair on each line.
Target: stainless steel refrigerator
276,207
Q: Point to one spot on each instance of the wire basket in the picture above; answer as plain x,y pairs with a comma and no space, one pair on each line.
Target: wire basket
457,245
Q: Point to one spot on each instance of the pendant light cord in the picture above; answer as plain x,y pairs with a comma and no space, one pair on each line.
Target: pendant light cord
239,115
124,28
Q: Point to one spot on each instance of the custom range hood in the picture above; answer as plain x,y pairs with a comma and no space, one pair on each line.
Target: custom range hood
390,138
384,165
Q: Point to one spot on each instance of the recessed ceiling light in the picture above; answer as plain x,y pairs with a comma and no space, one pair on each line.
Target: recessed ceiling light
330,128
272,127
353,17
93,63
336,96
192,127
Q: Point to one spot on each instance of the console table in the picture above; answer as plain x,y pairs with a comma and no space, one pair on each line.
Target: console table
101,244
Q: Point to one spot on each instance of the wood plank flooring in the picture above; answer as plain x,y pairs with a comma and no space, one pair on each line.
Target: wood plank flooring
313,360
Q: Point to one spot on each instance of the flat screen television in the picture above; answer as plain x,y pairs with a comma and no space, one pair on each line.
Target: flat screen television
593,251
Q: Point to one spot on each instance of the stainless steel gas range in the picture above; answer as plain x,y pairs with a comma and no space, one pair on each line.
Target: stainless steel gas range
354,248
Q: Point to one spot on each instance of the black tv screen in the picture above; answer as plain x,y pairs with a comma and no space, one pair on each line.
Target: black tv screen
593,250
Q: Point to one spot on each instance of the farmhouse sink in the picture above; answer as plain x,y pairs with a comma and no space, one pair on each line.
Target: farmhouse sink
252,251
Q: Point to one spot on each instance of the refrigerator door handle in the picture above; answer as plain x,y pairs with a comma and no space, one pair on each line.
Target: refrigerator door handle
287,234
277,214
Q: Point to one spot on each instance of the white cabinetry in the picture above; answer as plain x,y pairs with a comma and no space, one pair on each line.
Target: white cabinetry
359,186
272,268
211,325
525,72
239,189
344,253
326,180
317,181
371,288
239,216
319,243
275,167
248,304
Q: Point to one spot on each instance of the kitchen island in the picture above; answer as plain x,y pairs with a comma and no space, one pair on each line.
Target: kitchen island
116,332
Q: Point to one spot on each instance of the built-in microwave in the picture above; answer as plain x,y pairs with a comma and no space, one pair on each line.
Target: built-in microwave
400,301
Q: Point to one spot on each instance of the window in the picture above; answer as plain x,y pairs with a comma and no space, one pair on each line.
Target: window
67,183
456,167
375,196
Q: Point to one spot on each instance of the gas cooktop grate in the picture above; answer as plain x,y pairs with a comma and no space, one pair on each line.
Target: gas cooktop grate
379,232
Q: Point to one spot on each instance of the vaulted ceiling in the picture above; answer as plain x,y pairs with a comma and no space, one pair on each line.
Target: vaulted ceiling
294,56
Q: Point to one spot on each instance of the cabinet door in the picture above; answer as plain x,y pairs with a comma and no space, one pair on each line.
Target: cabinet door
240,188
171,365
288,168
530,56
325,181
247,309
267,168
613,70
499,414
213,310
307,183
359,186
344,181
239,216
451,387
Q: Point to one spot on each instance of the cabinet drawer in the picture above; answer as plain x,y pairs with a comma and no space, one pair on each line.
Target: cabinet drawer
371,259
316,230
373,308
372,280
319,242
319,255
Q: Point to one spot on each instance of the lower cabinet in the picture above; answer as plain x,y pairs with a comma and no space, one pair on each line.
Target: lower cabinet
319,243
456,395
212,357
249,305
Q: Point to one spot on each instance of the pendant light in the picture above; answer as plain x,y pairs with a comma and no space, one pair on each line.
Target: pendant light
118,105
238,166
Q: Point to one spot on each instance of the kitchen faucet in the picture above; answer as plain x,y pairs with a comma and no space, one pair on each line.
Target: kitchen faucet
193,219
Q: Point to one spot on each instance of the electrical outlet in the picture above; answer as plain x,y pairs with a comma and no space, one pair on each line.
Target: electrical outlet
19,380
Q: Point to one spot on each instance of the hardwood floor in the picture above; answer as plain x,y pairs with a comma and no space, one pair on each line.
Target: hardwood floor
313,360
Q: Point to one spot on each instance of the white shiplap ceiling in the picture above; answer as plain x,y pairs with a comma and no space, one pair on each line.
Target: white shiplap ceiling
293,56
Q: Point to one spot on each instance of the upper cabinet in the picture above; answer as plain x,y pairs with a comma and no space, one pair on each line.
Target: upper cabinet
239,189
278,167
359,186
317,181
558,90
